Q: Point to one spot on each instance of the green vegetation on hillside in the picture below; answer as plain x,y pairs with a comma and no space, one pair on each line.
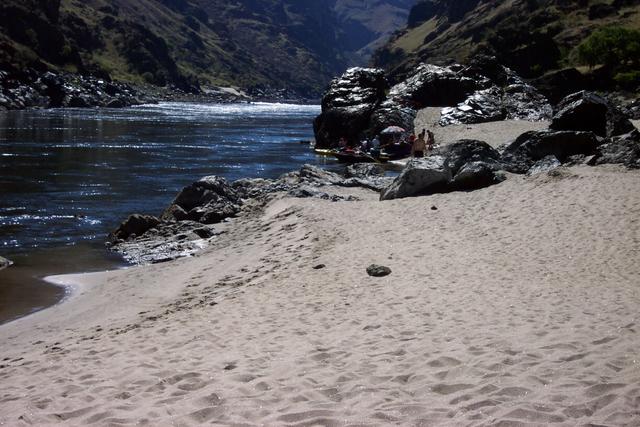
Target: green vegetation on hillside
530,36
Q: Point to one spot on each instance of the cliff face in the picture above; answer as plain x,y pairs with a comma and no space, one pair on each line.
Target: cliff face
249,43
529,36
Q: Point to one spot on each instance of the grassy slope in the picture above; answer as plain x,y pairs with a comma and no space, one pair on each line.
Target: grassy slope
502,27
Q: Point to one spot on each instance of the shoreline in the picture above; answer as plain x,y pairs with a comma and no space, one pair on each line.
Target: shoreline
251,323
25,284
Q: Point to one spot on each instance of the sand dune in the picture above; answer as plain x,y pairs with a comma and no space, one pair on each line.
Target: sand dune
515,305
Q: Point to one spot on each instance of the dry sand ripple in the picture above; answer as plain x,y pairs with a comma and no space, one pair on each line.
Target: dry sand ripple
516,305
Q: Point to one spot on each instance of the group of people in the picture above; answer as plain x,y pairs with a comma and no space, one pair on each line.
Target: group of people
425,141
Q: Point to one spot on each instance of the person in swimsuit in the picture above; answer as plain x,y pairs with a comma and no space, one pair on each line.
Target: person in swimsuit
419,145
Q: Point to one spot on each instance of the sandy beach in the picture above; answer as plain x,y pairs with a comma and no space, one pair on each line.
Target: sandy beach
514,305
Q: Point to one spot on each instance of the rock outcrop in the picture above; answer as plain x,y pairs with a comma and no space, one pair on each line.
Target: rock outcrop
348,105
464,165
435,86
501,94
533,146
623,149
355,106
30,89
420,177
586,111
192,219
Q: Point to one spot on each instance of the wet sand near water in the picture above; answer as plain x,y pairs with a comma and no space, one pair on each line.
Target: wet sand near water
23,289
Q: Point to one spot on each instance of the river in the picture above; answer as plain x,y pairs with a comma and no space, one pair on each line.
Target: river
69,176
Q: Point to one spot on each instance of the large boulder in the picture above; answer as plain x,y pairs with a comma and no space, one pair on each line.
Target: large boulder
623,149
532,146
347,106
475,175
420,177
483,106
434,86
501,94
134,226
464,165
556,85
208,200
318,176
586,111
466,151
390,113
518,101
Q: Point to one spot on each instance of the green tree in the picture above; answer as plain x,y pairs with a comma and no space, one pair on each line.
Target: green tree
614,46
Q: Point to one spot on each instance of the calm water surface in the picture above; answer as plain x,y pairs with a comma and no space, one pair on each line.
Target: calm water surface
68,177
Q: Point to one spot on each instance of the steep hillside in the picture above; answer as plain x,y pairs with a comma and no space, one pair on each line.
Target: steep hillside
529,36
368,24
186,43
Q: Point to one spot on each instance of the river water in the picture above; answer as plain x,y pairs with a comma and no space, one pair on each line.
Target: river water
69,176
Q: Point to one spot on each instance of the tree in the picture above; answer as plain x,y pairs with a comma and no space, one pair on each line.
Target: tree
613,46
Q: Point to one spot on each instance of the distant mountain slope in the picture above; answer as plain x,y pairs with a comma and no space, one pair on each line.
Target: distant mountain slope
368,24
291,44
529,36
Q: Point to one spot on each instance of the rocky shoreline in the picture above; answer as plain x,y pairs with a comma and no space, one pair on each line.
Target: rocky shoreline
30,89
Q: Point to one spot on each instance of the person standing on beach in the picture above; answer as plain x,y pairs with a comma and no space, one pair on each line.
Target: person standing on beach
419,145
431,140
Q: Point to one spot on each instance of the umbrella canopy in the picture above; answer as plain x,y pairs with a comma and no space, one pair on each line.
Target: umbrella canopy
392,130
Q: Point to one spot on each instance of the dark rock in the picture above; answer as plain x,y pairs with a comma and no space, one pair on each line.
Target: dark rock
623,149
434,208
78,102
364,170
420,177
375,183
586,111
305,192
204,232
378,270
208,200
319,267
464,165
390,113
166,242
115,103
174,213
632,110
483,106
474,176
136,225
4,263
556,85
347,106
318,176
530,147
516,101
544,165
525,102
434,86
466,151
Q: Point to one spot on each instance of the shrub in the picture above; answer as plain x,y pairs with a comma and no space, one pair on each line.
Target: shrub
629,80
614,46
